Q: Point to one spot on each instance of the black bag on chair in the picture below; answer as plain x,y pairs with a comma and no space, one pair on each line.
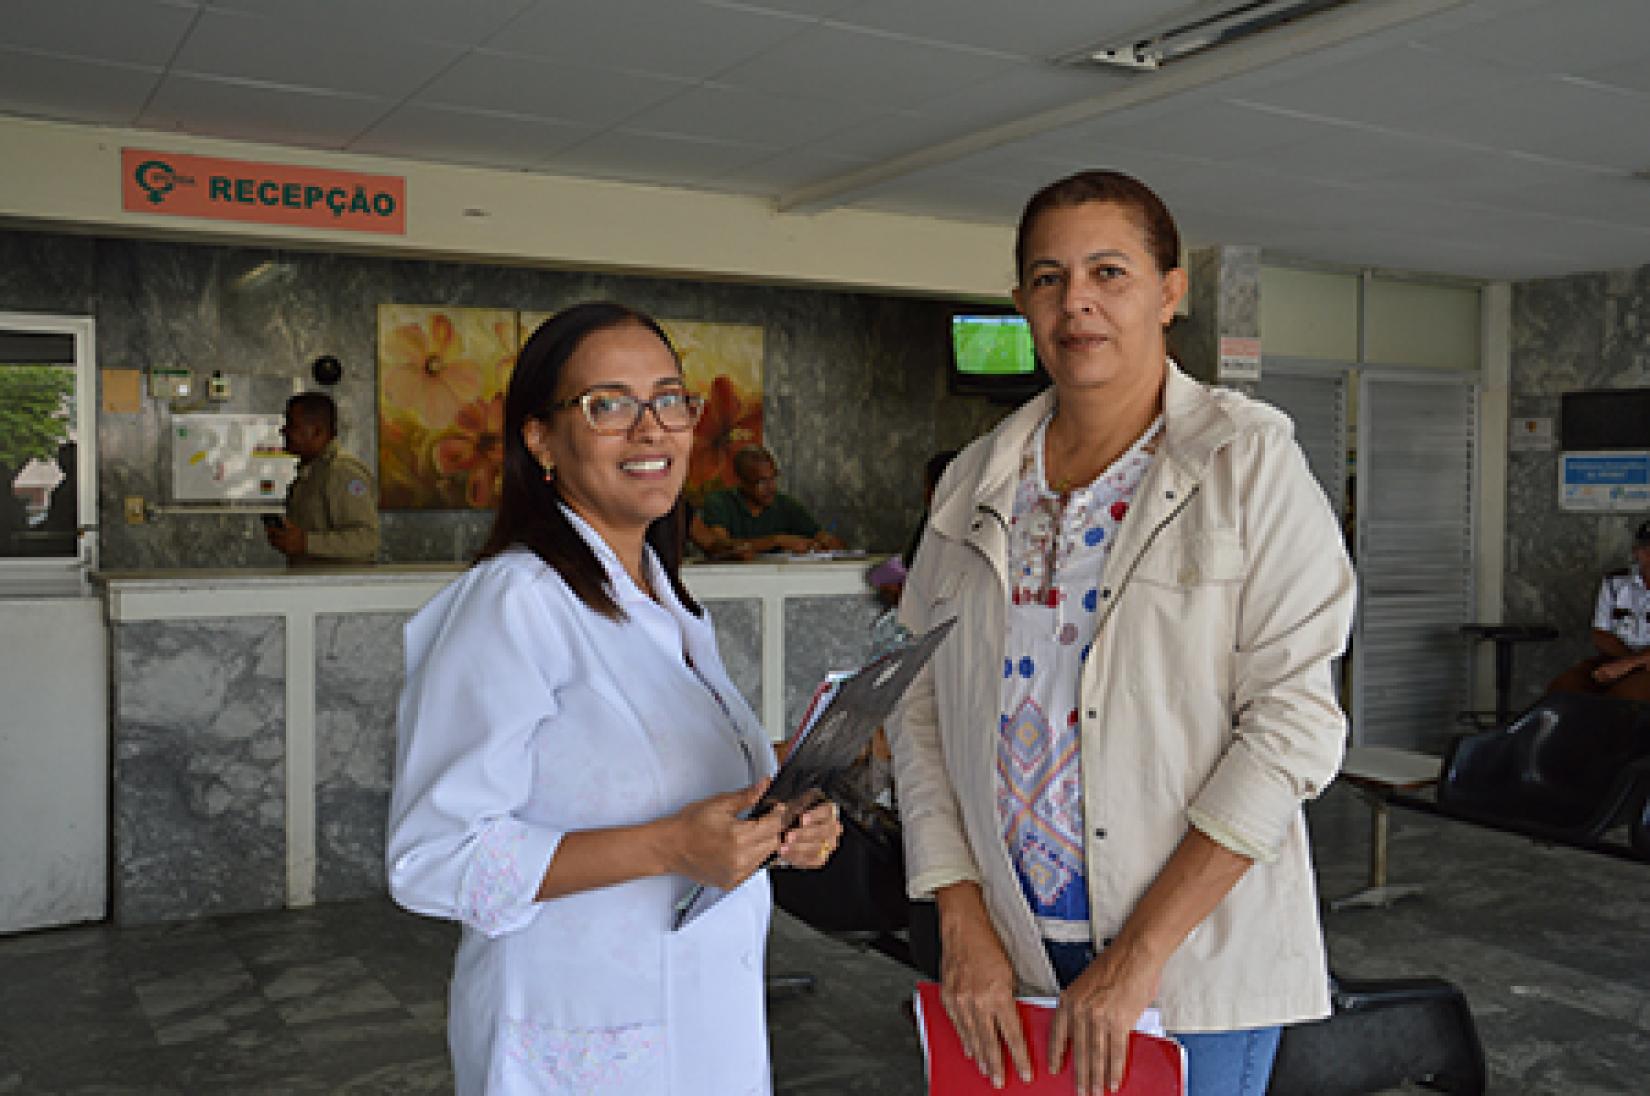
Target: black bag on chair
1380,1035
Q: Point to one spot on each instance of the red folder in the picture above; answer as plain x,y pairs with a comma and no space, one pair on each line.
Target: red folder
1157,1066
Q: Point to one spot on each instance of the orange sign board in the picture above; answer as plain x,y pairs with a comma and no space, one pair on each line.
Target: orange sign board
271,194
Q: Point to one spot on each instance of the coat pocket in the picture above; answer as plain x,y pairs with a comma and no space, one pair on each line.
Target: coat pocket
1214,556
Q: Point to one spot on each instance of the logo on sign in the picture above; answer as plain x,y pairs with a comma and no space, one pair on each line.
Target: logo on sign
157,179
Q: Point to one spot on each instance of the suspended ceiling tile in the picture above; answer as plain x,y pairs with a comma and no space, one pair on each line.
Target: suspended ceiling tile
785,171
1555,117
285,116
725,113
69,90
464,24
561,90
467,137
1019,93
811,8
890,134
1554,35
679,39
1214,129
832,63
1633,75
300,53
1044,29
136,32
650,158
1388,87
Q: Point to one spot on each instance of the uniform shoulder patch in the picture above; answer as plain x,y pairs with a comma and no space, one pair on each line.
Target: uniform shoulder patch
357,487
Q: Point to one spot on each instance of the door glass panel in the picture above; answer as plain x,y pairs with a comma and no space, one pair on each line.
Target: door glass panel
39,513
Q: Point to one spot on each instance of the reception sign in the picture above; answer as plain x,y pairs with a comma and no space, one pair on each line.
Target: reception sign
278,194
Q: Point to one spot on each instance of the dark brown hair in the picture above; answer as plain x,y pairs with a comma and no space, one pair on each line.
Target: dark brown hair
1154,218
529,509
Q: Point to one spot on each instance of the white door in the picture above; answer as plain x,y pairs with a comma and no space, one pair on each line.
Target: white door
54,740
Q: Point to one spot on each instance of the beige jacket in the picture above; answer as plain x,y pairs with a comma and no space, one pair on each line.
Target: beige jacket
1207,700
335,502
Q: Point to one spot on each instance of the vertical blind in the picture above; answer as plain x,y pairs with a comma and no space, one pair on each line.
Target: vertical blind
1411,665
1316,400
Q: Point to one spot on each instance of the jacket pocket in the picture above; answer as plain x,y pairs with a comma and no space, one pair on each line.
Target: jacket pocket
1214,556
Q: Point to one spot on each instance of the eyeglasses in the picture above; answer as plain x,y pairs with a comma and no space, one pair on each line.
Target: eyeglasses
615,411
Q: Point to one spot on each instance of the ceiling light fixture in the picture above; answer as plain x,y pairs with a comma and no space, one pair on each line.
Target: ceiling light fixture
1208,27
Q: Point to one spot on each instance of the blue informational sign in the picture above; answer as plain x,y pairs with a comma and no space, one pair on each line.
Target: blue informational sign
1604,481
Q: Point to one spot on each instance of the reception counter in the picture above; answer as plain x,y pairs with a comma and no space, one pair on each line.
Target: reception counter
253,715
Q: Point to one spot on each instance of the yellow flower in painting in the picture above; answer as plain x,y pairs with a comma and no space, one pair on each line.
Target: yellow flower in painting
404,480
423,374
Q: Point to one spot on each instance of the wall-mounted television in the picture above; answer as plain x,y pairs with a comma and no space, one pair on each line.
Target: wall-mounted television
992,355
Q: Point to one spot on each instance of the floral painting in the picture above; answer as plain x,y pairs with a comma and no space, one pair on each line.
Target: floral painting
441,378
723,363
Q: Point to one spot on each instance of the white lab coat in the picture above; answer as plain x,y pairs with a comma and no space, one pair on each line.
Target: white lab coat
526,716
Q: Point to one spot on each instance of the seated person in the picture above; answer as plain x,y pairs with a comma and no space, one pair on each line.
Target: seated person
1621,634
756,516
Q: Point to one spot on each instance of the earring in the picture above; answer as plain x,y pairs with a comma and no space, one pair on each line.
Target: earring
549,473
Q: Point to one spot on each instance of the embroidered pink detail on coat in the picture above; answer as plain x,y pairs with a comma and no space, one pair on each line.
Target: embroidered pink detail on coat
576,1061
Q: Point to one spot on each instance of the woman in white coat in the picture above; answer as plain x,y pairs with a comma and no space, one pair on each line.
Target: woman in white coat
572,757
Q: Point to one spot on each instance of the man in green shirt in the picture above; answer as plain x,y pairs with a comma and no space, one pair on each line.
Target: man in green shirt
756,516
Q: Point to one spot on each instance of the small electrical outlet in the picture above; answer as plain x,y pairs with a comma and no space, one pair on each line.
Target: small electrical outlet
136,512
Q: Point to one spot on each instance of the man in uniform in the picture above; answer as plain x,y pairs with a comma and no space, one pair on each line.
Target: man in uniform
331,508
757,516
1621,634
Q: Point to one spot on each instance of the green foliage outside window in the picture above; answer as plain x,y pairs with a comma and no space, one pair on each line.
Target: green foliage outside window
35,401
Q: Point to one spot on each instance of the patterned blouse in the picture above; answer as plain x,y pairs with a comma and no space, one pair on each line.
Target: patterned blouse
1057,550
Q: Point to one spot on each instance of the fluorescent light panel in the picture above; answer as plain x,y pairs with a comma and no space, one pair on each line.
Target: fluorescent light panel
1206,28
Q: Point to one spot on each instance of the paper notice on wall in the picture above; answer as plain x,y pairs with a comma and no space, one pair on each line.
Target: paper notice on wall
1617,480
1531,435
122,391
1239,359
229,458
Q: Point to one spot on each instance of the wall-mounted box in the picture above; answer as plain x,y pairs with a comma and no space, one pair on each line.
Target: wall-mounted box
170,383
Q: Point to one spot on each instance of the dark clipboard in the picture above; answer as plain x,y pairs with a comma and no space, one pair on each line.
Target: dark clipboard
833,743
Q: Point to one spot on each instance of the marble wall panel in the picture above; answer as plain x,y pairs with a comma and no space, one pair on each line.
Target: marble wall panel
199,768
1568,334
358,673
856,397
738,626
823,634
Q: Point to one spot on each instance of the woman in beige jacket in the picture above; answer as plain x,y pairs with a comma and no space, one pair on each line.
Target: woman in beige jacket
1101,774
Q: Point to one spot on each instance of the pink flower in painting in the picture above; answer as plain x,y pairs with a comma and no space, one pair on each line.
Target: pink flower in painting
423,374
475,450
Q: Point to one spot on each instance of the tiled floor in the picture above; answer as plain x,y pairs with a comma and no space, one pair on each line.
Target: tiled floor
1549,944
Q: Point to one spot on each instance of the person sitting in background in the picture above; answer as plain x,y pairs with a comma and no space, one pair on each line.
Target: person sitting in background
331,508
1621,633
756,516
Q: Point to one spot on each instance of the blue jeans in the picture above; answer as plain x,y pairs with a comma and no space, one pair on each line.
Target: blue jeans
1218,1063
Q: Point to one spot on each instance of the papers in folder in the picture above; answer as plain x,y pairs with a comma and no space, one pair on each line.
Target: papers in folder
835,731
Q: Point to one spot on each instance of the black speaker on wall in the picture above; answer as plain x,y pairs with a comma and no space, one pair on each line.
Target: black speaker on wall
1604,418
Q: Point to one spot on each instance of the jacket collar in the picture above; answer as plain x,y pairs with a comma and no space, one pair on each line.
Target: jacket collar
1195,426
